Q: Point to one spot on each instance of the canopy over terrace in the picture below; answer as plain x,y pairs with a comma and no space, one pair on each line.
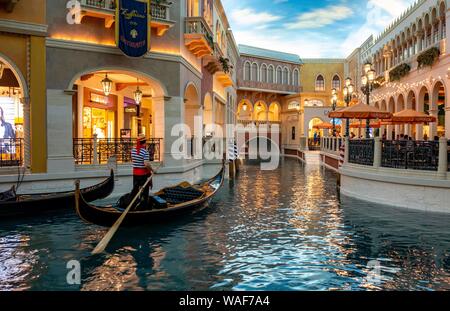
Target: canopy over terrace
360,111
409,116
324,126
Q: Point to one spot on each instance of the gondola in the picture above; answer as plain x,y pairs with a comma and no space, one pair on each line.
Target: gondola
162,206
36,204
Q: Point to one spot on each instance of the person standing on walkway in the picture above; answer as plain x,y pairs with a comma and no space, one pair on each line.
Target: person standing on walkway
142,168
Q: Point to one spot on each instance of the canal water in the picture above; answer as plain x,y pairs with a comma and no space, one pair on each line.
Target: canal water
276,230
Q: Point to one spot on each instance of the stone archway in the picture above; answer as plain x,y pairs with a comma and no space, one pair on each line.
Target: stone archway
438,109
15,145
423,105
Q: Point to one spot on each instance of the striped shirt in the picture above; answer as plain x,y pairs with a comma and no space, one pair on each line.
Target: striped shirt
139,159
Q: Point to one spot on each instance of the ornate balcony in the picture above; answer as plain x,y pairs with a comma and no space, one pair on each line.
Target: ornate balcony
105,9
198,37
269,87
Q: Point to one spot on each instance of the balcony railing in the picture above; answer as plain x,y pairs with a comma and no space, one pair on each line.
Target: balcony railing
98,151
331,144
258,123
197,25
361,151
409,154
11,152
159,12
269,86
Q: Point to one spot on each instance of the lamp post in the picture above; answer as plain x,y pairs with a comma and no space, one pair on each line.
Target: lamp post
367,86
333,107
349,89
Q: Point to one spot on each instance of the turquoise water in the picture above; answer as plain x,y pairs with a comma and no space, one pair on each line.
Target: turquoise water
275,230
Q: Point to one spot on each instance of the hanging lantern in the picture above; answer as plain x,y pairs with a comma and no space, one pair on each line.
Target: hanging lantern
138,99
245,107
138,96
107,85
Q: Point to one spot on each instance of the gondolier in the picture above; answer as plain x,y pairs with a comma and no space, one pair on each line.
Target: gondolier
142,168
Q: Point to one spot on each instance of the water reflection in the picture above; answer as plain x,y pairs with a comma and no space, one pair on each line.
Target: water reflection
276,230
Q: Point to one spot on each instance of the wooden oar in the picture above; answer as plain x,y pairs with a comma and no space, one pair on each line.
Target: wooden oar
109,235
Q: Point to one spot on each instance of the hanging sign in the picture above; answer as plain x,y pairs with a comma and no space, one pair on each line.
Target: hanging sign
132,27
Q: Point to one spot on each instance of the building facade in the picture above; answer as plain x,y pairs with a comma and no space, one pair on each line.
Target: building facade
62,60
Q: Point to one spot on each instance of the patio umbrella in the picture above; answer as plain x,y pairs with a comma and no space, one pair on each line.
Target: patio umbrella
409,116
361,111
361,125
324,126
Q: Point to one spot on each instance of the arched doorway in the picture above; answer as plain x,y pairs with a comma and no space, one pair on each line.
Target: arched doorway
423,105
245,111
314,134
437,109
112,107
14,129
260,111
208,112
191,106
274,112
400,129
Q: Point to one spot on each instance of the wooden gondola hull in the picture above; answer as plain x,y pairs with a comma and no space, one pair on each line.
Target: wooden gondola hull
38,204
107,216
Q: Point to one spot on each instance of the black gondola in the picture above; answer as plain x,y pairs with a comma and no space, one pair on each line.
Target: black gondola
32,204
163,205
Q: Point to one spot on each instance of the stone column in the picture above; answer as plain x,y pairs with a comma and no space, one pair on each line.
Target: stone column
389,132
377,153
419,132
26,132
433,125
346,155
443,164
447,122
59,132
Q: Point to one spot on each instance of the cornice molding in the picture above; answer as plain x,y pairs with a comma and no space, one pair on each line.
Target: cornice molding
23,28
108,49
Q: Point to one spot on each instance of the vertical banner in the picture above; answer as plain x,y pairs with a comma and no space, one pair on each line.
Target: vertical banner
133,29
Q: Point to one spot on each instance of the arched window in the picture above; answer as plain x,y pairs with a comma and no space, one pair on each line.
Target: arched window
285,76
279,75
264,73
247,71
254,72
295,78
270,74
320,84
336,84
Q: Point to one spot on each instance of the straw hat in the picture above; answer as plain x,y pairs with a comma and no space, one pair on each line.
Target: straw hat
141,138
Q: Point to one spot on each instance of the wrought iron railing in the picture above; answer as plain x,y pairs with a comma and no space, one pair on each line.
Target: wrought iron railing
11,152
361,151
92,151
410,154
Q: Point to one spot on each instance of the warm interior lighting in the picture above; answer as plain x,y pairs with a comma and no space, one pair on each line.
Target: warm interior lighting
107,85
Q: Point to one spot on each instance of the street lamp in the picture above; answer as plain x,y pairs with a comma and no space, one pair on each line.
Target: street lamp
367,86
333,107
349,90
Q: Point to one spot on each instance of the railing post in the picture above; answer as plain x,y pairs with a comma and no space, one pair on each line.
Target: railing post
94,149
442,167
377,153
347,148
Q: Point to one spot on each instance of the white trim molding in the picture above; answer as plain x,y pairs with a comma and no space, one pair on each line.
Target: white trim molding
23,28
